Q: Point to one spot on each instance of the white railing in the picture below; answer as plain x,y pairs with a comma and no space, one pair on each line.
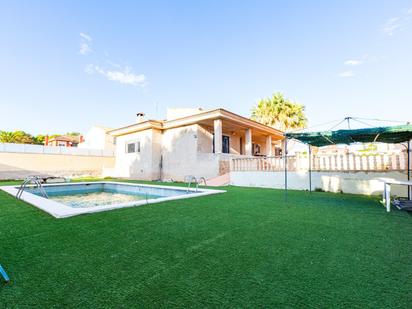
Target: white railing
29,148
349,162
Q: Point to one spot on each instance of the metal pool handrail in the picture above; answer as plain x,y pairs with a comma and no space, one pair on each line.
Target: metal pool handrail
204,180
29,180
4,274
191,178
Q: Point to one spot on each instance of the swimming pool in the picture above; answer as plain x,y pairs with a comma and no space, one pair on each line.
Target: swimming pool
71,199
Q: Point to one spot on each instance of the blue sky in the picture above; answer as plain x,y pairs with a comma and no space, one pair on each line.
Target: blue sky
67,65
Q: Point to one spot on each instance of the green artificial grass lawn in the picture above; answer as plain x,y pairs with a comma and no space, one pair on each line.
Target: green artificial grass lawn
244,248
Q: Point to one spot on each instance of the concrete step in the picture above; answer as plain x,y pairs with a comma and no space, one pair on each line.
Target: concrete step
219,181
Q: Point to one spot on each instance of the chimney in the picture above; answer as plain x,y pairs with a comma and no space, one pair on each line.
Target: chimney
81,139
140,117
46,140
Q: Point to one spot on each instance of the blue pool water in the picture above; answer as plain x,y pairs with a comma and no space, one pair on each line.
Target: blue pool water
100,194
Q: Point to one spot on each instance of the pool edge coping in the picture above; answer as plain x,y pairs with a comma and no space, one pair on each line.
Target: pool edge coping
60,211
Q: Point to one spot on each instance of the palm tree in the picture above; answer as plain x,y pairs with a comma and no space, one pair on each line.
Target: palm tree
18,137
280,113
6,137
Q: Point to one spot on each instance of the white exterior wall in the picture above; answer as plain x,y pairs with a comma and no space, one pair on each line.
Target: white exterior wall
139,165
368,183
58,150
97,138
157,137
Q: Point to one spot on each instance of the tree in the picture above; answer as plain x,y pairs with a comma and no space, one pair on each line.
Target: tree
18,137
39,139
21,137
280,113
6,137
73,133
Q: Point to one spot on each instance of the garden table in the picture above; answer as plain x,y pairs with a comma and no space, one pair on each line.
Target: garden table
387,190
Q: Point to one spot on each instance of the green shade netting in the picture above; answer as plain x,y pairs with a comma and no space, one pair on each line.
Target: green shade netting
393,134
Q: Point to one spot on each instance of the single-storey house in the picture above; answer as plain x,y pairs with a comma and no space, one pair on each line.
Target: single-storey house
190,142
63,140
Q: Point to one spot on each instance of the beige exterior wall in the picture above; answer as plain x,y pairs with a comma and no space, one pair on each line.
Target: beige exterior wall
182,151
19,165
367,183
188,151
234,144
205,140
179,150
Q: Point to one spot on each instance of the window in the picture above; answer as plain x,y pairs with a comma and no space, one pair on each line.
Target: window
133,147
256,149
225,144
130,148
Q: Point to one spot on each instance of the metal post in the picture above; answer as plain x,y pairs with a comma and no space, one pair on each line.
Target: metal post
310,168
348,120
409,170
286,168
161,168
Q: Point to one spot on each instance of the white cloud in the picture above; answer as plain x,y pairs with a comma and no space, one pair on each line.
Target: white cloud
85,42
398,23
353,62
348,73
86,36
392,25
115,72
125,76
113,64
85,49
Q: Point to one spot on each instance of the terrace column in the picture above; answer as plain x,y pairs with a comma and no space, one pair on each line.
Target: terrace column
269,146
248,142
218,135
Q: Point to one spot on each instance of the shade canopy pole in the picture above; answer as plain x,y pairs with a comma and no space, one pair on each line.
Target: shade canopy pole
310,168
286,168
409,170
